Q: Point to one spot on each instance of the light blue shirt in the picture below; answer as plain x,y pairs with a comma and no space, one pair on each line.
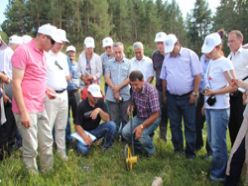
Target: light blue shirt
105,60
180,71
204,61
118,71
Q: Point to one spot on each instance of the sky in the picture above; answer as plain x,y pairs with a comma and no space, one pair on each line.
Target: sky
185,5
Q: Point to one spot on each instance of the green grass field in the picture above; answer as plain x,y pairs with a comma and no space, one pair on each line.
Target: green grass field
107,168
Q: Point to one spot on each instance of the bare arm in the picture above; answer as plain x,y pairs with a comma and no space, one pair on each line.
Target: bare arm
18,95
83,135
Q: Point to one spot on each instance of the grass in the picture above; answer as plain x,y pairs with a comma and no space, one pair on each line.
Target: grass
107,168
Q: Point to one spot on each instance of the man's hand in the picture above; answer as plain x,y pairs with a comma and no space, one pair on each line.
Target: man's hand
208,92
115,88
192,99
87,140
138,131
5,79
95,113
6,99
25,120
164,100
51,94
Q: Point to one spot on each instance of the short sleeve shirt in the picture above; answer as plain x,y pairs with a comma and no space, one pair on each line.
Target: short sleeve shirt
83,112
32,60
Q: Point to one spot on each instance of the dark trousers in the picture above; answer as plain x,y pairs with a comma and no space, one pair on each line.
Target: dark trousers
179,108
8,132
164,117
236,115
73,99
236,166
200,119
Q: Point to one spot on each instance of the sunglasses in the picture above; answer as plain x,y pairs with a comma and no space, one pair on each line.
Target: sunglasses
51,40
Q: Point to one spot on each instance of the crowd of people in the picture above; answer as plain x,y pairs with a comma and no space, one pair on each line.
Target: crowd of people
44,91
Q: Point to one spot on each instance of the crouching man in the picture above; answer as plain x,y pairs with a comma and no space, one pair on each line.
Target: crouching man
89,114
145,99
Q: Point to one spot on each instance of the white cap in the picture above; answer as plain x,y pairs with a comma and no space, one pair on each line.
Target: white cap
62,35
49,30
95,90
169,43
210,42
26,39
160,37
14,39
89,42
71,48
107,41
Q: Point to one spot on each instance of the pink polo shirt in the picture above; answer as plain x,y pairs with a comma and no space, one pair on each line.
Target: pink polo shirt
32,60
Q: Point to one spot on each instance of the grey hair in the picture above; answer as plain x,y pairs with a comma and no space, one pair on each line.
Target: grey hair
118,45
138,45
237,33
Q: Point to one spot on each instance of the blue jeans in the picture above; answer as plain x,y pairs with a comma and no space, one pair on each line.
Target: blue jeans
217,122
106,130
145,140
178,108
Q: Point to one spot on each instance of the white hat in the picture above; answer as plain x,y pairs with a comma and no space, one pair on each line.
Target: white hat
107,41
89,42
14,39
160,37
62,35
26,39
49,30
169,43
210,42
71,48
95,90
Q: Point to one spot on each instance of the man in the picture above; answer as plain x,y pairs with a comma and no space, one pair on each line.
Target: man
181,75
108,55
90,112
29,88
239,57
72,88
89,63
142,62
9,135
57,76
145,98
118,92
157,59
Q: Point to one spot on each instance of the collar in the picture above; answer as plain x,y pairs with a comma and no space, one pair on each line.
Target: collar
238,51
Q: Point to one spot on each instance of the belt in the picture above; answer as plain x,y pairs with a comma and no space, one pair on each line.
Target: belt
187,94
60,91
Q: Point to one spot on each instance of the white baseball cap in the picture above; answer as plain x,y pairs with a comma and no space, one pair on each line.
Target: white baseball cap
95,90
107,41
169,42
49,30
160,37
62,36
89,42
15,39
71,48
26,39
210,42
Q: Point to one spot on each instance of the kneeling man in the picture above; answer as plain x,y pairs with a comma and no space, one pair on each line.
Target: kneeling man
145,99
89,114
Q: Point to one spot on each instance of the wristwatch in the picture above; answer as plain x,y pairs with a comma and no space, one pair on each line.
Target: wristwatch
195,93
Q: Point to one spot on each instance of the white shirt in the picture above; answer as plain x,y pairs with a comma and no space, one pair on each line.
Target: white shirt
240,62
95,66
144,65
5,61
215,79
57,70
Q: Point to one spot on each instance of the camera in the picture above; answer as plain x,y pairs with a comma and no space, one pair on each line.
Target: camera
211,100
